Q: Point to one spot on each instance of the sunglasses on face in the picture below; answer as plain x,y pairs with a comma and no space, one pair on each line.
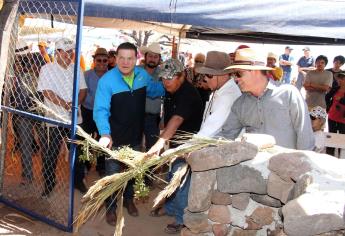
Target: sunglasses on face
209,76
238,74
102,60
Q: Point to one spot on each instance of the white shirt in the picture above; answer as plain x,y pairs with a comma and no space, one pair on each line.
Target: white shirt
218,108
59,80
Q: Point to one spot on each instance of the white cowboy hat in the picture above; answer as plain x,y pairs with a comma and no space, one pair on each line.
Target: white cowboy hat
153,47
248,59
22,47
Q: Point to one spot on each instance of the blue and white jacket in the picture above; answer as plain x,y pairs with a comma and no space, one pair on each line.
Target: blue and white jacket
119,110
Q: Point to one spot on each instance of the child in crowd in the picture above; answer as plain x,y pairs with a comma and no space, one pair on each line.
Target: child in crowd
318,118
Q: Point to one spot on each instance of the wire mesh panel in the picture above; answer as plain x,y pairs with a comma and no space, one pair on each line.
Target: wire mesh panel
36,104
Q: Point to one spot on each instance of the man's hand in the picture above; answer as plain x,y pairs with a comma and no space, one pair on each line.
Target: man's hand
106,141
155,149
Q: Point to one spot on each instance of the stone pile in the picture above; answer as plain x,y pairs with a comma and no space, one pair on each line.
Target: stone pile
238,190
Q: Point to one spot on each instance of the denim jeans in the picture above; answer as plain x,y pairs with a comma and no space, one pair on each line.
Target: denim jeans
51,150
24,129
111,167
151,129
286,77
177,202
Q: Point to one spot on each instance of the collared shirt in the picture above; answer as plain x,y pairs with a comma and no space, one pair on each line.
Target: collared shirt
153,105
304,62
281,112
289,58
218,108
91,79
317,98
59,80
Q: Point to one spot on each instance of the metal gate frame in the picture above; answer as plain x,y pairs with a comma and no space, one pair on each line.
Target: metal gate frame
72,151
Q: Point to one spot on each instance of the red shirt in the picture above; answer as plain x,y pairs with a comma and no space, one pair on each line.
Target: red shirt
337,110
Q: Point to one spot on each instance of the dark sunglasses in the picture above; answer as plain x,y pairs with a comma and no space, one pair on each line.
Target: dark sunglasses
100,60
238,74
312,118
209,76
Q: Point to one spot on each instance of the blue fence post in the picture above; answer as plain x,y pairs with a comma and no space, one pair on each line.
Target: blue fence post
72,153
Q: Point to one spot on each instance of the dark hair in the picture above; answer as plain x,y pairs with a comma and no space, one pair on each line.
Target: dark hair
322,57
127,45
339,58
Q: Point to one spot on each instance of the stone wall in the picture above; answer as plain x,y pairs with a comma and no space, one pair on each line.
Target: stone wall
238,190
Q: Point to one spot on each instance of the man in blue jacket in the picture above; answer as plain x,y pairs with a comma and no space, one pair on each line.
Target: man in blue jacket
119,112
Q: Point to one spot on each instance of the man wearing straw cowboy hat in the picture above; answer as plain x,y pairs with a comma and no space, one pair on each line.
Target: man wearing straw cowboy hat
152,55
265,107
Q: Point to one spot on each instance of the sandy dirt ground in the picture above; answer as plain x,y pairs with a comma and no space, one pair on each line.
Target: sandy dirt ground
12,223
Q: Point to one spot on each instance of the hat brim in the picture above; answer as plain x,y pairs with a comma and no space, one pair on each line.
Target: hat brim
248,67
145,49
210,71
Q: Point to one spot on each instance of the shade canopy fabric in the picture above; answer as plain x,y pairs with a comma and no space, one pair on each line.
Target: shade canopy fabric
274,21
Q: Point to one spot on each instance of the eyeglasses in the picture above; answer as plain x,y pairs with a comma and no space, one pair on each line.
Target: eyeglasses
102,60
238,74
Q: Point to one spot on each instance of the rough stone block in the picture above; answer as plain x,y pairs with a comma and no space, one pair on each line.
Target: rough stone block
240,201
240,179
262,216
197,222
278,188
314,213
219,198
290,165
186,232
220,229
224,155
200,191
266,200
219,214
251,225
241,232
301,185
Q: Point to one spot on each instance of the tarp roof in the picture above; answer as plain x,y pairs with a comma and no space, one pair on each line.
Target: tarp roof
289,21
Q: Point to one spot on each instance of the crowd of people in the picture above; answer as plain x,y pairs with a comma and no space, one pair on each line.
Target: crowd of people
213,95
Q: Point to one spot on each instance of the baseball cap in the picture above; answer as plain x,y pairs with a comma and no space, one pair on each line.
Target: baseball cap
318,112
306,49
170,68
64,44
288,47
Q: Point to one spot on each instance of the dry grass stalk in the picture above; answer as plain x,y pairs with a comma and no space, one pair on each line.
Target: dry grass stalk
172,186
137,164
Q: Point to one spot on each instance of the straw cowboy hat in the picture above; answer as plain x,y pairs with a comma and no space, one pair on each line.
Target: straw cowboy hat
272,55
248,59
100,51
215,63
153,47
